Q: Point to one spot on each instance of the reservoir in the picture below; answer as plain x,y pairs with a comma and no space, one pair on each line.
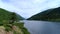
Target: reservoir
42,27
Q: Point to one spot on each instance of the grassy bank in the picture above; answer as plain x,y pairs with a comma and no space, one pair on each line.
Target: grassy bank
21,26
15,28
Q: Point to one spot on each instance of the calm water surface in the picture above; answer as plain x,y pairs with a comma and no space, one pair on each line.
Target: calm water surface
42,27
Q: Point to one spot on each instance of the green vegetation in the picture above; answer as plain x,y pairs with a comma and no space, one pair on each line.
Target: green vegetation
9,22
21,26
6,16
48,15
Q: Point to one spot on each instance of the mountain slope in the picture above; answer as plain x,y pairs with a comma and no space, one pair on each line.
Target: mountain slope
6,15
48,15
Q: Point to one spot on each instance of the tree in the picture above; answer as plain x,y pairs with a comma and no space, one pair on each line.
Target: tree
13,18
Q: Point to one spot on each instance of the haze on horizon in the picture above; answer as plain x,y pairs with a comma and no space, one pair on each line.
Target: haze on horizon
27,8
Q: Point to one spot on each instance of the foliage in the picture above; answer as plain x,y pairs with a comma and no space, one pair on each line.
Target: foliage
5,20
20,25
6,15
48,15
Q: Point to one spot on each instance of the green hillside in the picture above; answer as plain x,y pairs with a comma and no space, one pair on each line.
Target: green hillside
9,23
47,15
6,15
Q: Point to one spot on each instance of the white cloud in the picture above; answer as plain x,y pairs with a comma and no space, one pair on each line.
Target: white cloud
27,8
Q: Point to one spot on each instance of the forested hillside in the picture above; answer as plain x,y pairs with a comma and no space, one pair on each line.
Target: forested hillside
47,15
6,15
9,23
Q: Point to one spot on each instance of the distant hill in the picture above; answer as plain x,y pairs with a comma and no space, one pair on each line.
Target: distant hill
6,15
48,15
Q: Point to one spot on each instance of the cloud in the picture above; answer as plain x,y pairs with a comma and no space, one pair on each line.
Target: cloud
27,8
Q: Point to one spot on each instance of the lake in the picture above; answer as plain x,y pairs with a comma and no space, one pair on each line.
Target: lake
42,27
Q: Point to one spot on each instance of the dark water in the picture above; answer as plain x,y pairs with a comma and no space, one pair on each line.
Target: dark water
42,27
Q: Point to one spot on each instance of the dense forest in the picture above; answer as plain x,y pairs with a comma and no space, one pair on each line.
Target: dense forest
47,15
10,23
6,15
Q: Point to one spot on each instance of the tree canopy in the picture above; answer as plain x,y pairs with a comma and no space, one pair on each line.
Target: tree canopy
6,16
47,15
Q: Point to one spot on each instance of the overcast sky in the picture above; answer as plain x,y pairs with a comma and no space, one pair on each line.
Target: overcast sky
27,8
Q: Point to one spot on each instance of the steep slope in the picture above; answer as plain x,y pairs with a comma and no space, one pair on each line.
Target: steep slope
9,27
6,15
48,15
